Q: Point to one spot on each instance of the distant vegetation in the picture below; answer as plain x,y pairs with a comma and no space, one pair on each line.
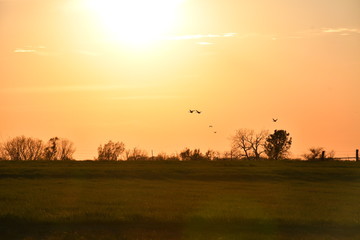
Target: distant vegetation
25,148
245,144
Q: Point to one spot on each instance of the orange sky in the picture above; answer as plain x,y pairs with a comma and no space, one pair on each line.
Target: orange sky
78,70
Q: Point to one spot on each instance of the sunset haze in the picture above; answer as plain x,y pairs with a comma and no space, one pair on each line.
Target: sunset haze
93,71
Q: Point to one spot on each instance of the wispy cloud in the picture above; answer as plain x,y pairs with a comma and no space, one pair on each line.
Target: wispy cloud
19,50
310,33
38,50
342,31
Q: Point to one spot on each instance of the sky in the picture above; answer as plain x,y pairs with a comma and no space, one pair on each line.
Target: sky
98,70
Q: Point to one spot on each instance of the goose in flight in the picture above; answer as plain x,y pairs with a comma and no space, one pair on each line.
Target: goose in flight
198,111
191,111
274,120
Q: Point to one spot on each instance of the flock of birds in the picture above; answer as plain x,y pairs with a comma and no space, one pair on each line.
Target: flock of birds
211,126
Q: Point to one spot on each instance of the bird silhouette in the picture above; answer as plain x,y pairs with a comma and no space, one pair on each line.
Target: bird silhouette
274,120
198,111
191,111
214,132
210,126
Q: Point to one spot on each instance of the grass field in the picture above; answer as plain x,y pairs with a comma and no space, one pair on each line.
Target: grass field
180,200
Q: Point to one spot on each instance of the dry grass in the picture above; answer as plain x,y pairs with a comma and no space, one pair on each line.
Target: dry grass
179,200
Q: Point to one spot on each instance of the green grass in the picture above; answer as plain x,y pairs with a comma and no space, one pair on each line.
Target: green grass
180,200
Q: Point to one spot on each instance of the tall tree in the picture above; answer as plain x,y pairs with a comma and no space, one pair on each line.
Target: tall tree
277,145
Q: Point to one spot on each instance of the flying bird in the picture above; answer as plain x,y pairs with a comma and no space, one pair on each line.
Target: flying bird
210,126
191,111
198,111
214,132
274,120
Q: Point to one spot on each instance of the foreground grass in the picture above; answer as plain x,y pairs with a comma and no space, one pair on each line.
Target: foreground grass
180,200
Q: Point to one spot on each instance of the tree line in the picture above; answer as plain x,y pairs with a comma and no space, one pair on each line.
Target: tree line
26,148
245,144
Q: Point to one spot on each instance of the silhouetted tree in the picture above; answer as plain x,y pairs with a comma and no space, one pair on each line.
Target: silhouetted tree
246,143
277,145
197,155
193,155
227,155
212,155
2,155
315,154
50,150
163,156
65,150
240,145
59,149
136,154
258,142
110,151
22,148
185,154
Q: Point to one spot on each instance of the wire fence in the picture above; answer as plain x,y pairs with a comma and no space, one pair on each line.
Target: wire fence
347,155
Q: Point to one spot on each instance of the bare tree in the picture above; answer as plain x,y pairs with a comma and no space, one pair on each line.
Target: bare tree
110,151
227,155
212,155
23,148
247,143
2,152
136,154
58,149
257,142
66,150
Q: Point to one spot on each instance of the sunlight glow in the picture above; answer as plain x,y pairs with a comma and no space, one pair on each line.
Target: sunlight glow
135,22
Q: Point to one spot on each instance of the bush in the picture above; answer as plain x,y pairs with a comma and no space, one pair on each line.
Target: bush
110,151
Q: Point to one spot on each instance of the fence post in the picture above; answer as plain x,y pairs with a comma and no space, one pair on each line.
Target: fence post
357,155
323,156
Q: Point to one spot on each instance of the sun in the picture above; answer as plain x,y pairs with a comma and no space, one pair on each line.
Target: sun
135,22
